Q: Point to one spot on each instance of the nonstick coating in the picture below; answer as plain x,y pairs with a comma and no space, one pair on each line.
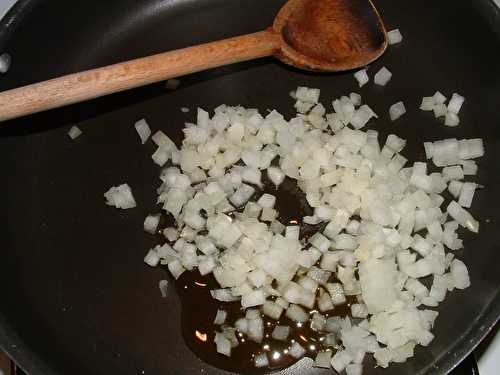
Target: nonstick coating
76,295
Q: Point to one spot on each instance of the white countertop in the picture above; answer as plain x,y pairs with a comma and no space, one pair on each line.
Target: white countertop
489,360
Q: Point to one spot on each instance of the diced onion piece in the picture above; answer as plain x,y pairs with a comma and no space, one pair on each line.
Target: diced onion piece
453,173
267,201
464,218
120,197
223,344
143,130
242,195
470,148
296,313
151,223
427,104
152,259
340,360
171,234
220,317
355,99
394,36
260,360
5,61
256,330
455,103
451,119
272,310
296,351
440,110
439,98
74,132
308,95
469,167
397,110
318,322
354,369
459,274
163,286
176,269
323,359
362,77
280,333
361,116
276,175
382,77
255,298
467,194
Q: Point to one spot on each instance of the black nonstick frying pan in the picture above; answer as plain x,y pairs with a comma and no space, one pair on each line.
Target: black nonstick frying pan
76,295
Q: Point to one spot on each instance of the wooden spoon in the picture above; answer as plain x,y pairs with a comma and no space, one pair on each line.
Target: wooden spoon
318,35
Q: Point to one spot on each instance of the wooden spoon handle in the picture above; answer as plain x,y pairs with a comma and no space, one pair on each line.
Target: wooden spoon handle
98,82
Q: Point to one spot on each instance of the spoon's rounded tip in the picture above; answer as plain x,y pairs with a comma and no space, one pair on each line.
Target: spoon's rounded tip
330,35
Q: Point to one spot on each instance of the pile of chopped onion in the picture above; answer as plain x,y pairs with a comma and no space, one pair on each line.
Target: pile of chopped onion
387,225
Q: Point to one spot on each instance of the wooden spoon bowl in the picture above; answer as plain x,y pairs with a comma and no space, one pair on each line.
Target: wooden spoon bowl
330,35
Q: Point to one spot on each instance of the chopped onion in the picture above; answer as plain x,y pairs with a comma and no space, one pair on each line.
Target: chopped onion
439,98
451,119
455,103
394,36
467,194
223,344
171,234
428,103
152,259
459,274
151,223
261,360
464,218
296,351
382,77
440,110
362,77
323,359
280,333
296,313
397,110
220,317
163,286
355,98
354,369
143,130
120,197
74,132
5,61
383,227
267,201
276,175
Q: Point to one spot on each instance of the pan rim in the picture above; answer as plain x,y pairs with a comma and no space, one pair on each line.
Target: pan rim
30,361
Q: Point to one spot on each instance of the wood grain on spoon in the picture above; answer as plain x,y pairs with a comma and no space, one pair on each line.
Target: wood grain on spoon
320,35
330,35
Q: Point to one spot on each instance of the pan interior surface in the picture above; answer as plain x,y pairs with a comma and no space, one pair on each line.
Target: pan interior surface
77,297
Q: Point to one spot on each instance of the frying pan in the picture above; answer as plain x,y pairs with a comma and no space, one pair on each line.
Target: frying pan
76,296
